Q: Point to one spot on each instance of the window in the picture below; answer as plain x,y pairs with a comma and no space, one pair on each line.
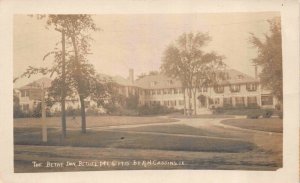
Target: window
165,103
24,93
153,92
217,101
153,83
141,92
219,89
235,88
240,76
179,90
181,102
169,91
158,92
266,100
172,103
239,101
175,91
252,101
227,102
165,91
251,86
202,89
170,82
25,107
147,92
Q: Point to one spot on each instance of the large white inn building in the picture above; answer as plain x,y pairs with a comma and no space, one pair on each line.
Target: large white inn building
239,90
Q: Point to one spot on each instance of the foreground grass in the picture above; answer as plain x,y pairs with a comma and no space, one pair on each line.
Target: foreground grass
203,116
92,121
24,155
131,140
263,124
178,129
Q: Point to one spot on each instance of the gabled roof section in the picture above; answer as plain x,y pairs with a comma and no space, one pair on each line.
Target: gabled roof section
122,81
38,84
158,81
236,77
117,79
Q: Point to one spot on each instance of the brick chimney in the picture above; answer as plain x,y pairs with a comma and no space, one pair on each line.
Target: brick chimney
131,76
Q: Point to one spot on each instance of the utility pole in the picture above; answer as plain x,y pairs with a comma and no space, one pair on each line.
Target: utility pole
44,126
63,93
63,85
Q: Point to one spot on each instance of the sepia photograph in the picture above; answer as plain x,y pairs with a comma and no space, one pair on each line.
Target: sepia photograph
102,92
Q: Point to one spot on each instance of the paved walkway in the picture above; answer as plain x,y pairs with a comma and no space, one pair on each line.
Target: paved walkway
214,125
203,123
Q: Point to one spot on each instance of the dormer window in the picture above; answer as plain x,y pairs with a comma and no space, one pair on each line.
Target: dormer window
235,88
251,86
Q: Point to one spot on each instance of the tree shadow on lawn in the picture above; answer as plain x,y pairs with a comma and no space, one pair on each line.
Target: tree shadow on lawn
118,139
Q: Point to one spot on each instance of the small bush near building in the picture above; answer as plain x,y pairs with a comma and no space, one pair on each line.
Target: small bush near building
254,115
155,109
280,114
268,113
252,112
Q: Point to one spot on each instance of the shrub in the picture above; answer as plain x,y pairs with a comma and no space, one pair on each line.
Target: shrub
237,110
268,113
155,109
254,115
280,114
92,111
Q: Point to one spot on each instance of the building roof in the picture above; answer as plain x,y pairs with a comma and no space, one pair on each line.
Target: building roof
38,84
237,77
154,81
117,79
122,81
159,81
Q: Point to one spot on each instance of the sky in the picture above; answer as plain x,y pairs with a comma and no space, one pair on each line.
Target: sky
138,41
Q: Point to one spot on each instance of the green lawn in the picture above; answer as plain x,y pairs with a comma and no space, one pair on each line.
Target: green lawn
211,116
92,121
262,124
116,139
178,129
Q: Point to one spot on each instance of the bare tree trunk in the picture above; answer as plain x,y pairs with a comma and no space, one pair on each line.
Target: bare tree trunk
190,105
63,92
195,107
83,119
184,100
80,86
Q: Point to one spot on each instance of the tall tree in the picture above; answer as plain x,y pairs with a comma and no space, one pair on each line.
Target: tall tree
77,29
209,71
71,67
186,60
269,58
